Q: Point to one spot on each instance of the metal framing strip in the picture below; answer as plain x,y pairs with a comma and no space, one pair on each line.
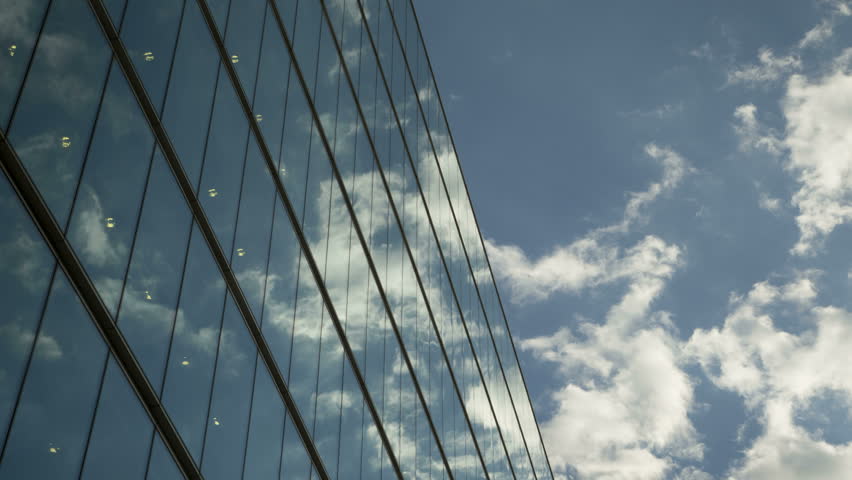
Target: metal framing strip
479,231
206,230
79,280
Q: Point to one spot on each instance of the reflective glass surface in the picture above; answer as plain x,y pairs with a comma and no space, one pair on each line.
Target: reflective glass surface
299,228
68,409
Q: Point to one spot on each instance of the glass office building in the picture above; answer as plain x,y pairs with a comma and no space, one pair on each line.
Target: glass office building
235,242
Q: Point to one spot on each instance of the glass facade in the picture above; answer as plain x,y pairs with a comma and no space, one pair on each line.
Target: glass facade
236,243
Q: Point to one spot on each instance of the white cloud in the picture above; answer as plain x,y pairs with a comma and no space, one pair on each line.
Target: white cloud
777,372
769,203
662,112
702,51
817,35
819,139
622,410
752,134
768,69
824,30
692,473
595,259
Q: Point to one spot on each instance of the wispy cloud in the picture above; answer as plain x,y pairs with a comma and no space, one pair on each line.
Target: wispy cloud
662,112
824,30
753,135
768,69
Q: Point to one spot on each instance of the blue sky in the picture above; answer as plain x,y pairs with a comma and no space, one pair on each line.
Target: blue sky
666,192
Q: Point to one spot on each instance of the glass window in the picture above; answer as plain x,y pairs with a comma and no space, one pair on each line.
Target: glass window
297,143
228,417
224,156
47,438
318,197
21,24
280,297
149,303
53,121
121,433
149,33
266,429
192,84
304,354
115,8
162,466
330,400
192,358
219,9
326,86
104,217
352,412
254,227
273,81
246,22
295,463
26,268
305,38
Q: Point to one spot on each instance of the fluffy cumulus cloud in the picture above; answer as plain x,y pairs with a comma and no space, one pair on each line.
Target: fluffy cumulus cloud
819,140
814,147
623,404
779,373
623,401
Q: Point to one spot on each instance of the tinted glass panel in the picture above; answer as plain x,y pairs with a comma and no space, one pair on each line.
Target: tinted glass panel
192,358
26,266
104,218
53,121
121,434
48,435
19,30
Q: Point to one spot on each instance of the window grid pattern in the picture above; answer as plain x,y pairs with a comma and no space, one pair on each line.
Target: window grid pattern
264,199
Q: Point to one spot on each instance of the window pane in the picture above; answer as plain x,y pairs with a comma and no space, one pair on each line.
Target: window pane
295,464
223,162
121,433
51,424
53,122
148,307
103,221
189,373
219,9
227,422
20,26
273,81
162,466
245,28
26,266
266,429
149,33
192,84
280,300
254,226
